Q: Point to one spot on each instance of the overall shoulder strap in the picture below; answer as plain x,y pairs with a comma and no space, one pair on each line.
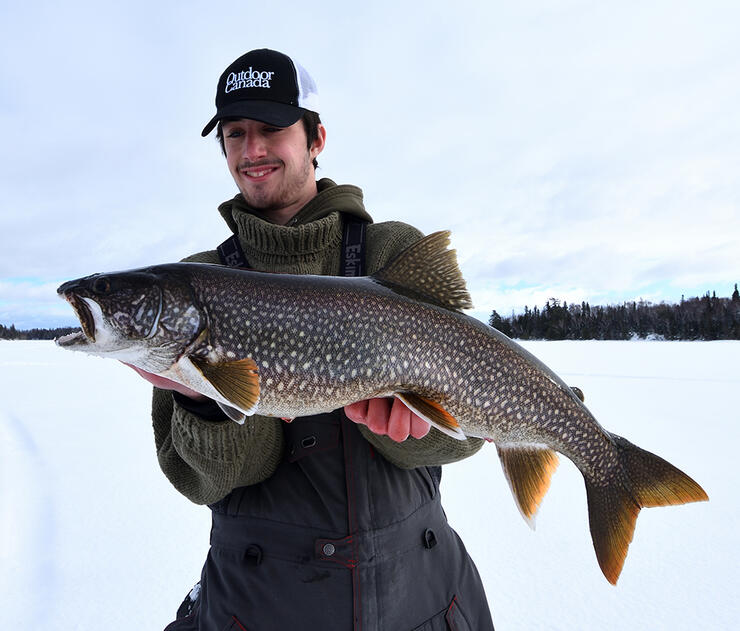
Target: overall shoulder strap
231,254
353,247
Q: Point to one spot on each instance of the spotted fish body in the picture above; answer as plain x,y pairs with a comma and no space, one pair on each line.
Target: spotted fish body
285,346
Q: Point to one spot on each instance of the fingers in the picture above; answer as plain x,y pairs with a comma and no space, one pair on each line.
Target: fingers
370,412
404,423
378,411
357,412
388,417
419,427
399,422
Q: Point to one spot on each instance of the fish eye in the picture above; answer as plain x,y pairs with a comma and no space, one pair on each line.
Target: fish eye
101,285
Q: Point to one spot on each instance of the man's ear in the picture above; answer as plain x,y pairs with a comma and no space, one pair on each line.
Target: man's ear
318,145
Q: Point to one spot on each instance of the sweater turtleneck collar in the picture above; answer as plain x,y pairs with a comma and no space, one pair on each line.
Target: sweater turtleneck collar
316,227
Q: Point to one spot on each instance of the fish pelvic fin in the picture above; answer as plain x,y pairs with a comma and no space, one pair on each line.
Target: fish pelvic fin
235,415
429,270
528,470
433,413
237,381
647,481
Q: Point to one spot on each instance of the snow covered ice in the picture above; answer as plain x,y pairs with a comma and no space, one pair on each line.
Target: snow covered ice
93,536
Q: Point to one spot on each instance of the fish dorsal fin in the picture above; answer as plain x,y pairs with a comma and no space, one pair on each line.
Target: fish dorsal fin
528,470
237,381
429,270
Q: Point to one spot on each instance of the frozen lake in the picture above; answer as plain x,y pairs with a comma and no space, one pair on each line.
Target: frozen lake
93,536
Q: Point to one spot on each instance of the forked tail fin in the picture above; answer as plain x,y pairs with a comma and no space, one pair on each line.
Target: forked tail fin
613,507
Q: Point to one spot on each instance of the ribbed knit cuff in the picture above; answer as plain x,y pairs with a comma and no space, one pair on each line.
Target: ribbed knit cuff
434,449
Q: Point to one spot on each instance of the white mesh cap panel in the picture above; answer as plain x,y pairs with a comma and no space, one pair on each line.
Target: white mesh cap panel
308,94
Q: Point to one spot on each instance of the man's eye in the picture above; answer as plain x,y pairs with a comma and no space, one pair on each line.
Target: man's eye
233,134
272,130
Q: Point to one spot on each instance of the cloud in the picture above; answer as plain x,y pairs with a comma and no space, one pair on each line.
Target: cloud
570,146
31,303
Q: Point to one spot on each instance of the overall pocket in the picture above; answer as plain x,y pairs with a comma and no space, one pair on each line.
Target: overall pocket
449,619
234,625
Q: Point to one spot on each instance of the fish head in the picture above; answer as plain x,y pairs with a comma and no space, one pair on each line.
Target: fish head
146,317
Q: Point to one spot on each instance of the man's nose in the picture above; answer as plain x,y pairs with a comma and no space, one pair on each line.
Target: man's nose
254,147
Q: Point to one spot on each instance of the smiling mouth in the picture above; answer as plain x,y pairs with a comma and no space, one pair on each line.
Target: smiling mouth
255,173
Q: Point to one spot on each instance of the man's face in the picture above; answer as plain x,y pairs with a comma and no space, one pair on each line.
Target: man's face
272,166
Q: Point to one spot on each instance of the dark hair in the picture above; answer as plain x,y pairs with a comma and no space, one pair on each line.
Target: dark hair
310,120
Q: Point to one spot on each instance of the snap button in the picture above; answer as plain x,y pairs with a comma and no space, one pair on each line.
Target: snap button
329,549
430,539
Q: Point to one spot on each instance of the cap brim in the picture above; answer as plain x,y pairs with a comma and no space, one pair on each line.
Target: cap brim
278,114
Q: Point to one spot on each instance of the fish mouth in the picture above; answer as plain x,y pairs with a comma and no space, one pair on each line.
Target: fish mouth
87,322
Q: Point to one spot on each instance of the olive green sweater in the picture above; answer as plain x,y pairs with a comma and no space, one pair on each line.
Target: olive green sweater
206,459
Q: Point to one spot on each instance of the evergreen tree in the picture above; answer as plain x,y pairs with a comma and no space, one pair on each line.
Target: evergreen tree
11,333
707,318
497,322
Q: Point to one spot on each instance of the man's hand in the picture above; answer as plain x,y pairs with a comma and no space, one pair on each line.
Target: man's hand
167,384
388,417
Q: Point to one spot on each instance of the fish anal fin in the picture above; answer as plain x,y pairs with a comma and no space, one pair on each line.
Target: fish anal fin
528,470
644,480
429,270
433,413
237,381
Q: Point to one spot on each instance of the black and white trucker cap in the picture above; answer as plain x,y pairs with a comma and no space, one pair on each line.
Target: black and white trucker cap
267,86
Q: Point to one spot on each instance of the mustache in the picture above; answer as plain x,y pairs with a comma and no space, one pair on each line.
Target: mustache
246,164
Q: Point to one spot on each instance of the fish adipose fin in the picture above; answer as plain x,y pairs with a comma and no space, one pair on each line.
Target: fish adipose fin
528,471
613,508
433,413
429,270
237,381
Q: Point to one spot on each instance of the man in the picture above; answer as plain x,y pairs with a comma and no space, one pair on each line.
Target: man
331,521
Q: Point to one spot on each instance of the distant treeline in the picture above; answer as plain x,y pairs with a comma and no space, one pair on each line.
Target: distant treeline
705,318
11,333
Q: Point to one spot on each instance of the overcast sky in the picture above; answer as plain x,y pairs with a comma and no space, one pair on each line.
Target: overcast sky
579,150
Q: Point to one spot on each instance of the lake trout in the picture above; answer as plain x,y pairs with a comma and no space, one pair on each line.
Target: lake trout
287,345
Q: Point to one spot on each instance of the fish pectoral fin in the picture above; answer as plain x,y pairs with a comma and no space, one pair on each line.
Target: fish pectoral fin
237,381
235,415
528,470
433,413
